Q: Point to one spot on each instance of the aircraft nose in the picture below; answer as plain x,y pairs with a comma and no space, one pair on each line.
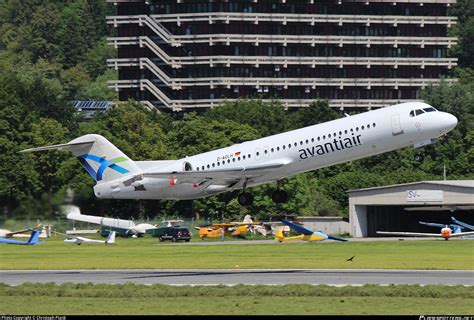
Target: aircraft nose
450,121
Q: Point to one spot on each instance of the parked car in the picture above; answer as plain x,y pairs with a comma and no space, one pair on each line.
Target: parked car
172,233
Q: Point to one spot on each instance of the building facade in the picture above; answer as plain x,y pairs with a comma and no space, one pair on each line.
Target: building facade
187,55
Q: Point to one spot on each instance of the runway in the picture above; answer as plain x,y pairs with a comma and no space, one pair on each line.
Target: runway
245,276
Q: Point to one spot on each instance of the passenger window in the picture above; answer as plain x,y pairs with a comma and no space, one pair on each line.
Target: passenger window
373,124
329,135
368,126
312,139
345,131
243,157
362,127
272,150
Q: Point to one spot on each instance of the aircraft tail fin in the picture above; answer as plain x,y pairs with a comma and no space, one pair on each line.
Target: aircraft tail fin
279,235
102,160
110,238
34,238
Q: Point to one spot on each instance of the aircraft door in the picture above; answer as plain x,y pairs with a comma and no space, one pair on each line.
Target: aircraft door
396,126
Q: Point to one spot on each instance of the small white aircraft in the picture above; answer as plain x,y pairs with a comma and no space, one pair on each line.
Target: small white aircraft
122,226
80,240
446,233
258,161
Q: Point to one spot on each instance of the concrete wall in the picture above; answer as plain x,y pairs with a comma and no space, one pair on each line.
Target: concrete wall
329,225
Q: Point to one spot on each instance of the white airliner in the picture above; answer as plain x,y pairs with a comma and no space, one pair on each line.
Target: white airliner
258,161
79,240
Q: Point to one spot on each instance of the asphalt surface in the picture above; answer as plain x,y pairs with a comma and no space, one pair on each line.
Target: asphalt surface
241,276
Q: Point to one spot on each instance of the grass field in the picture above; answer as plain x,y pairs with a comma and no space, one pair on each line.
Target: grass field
148,253
131,299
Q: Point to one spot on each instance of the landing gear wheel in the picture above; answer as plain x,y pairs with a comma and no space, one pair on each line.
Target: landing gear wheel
418,157
245,199
279,196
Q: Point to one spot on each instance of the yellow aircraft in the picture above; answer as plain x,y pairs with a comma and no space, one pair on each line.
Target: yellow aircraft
306,234
4,233
230,229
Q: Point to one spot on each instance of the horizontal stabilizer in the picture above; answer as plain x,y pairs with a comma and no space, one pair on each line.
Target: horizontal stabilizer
64,146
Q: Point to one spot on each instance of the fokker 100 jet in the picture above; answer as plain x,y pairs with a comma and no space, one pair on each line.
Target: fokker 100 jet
256,162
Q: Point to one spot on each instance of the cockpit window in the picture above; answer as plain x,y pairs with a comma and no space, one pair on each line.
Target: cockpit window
430,109
417,112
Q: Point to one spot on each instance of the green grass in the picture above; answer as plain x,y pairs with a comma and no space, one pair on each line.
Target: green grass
148,253
132,299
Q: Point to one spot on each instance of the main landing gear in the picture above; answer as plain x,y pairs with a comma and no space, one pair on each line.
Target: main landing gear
245,199
279,196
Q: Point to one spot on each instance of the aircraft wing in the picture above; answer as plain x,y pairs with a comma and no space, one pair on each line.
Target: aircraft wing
217,174
416,234
431,224
463,224
460,234
298,228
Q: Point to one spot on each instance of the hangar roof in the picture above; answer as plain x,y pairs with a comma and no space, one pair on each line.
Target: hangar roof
455,183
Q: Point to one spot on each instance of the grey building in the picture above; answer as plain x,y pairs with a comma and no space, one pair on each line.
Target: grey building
401,207
194,54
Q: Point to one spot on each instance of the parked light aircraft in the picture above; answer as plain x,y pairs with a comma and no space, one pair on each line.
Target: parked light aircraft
121,226
79,240
231,229
306,234
34,239
446,233
258,161
4,233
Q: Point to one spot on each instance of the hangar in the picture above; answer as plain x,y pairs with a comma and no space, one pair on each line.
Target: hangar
400,207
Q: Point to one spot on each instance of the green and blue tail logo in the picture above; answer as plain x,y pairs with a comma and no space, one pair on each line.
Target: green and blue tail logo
103,165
